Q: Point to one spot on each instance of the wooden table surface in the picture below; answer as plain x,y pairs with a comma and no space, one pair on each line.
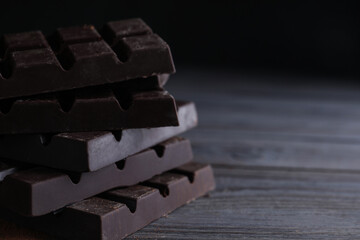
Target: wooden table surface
286,158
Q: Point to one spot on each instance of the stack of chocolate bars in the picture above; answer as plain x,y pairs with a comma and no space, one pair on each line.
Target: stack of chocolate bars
88,144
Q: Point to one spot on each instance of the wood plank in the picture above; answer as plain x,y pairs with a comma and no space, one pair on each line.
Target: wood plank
214,81
277,116
229,104
237,148
268,204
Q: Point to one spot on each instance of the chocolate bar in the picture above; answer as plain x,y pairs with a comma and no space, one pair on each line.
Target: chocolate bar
95,110
77,57
121,212
35,191
90,151
82,109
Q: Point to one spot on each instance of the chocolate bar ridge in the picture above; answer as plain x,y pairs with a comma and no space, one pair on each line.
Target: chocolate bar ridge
77,57
36,191
120,212
90,151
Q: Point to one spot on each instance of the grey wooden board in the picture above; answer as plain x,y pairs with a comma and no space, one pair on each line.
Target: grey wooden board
286,158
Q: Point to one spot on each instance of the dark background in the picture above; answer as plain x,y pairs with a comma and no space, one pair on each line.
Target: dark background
301,37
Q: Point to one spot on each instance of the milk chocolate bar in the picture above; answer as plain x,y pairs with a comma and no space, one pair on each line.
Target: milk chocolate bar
77,57
35,191
121,212
90,151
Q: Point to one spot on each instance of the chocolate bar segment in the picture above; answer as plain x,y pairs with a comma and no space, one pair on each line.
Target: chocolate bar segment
23,41
78,57
120,212
114,31
36,191
90,151
71,35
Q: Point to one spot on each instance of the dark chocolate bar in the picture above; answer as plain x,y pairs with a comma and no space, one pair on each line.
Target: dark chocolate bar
35,191
121,212
99,110
90,151
77,57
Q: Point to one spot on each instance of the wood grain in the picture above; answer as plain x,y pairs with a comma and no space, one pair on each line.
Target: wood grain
286,158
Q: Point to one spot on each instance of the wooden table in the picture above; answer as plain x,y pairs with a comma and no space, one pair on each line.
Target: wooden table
286,158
